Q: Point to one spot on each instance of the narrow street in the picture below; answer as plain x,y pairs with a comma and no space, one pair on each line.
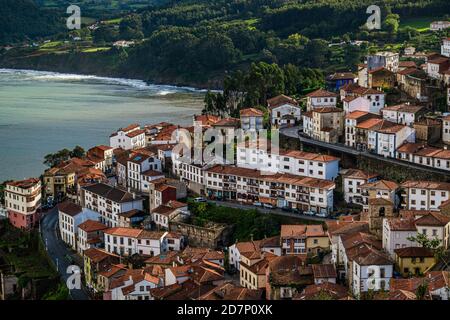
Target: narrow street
58,252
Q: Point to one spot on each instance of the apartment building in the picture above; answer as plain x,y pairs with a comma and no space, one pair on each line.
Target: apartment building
280,190
303,239
103,154
284,111
352,180
435,225
109,201
379,189
424,195
425,155
128,138
90,235
385,138
352,119
22,202
405,114
140,167
445,47
375,97
70,216
295,162
252,119
130,241
446,126
396,234
320,99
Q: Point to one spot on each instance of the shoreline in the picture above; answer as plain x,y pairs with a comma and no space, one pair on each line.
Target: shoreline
118,80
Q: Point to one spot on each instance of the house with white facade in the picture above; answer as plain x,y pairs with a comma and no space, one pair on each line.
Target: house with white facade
445,47
70,216
396,234
446,127
138,165
356,103
109,201
352,180
284,111
130,241
90,235
371,270
386,137
135,284
163,214
424,195
437,66
375,97
128,138
252,119
434,225
352,120
320,99
248,248
405,113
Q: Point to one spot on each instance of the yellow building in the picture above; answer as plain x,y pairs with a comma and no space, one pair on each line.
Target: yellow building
414,260
316,244
95,262
252,268
57,181
328,124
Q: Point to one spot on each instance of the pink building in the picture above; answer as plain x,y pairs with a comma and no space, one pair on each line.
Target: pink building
23,201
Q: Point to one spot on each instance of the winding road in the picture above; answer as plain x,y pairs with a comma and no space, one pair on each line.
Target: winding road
58,252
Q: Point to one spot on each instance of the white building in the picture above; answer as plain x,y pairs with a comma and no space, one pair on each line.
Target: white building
22,202
110,201
320,99
376,98
355,103
130,241
279,190
405,114
396,232
252,119
271,245
352,120
437,66
128,138
439,25
372,270
434,225
425,195
446,125
352,179
90,235
134,285
163,214
387,137
138,165
284,111
385,59
445,47
70,216
295,162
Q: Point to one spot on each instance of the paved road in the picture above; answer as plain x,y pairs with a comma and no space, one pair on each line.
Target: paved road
293,133
58,251
264,210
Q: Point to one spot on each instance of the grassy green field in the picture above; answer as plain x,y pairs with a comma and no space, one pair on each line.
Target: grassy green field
420,24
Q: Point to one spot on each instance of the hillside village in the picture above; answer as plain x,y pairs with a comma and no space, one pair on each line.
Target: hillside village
129,211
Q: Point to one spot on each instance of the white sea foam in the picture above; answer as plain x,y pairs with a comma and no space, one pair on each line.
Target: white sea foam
33,75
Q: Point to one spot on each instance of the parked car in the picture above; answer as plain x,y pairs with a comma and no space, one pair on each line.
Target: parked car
199,199
297,211
268,206
322,215
257,204
287,209
309,213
